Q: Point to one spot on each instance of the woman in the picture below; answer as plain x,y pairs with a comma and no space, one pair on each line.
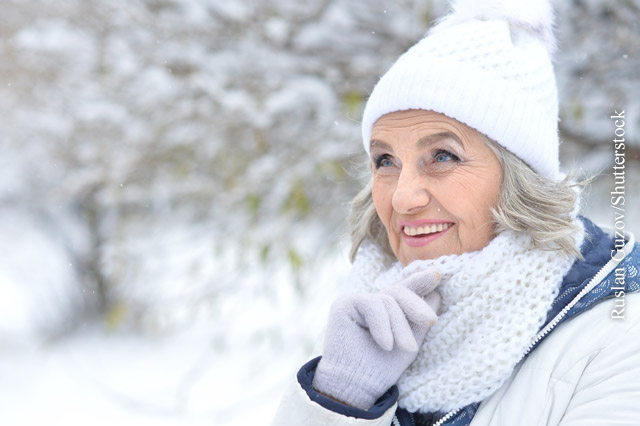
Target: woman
477,295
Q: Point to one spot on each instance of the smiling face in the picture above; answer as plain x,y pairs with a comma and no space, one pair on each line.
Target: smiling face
435,181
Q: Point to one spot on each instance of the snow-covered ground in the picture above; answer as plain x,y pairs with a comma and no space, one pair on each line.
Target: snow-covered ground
231,372
101,379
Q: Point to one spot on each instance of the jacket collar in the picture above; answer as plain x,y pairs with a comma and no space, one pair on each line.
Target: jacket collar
596,251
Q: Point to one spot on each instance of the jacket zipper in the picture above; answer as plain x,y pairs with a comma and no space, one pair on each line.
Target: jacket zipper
447,417
597,278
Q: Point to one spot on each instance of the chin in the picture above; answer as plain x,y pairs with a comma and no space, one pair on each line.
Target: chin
407,258
409,254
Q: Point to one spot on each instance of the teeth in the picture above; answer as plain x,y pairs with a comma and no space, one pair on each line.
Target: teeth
425,229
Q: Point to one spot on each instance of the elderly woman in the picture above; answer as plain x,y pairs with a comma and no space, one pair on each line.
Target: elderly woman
477,295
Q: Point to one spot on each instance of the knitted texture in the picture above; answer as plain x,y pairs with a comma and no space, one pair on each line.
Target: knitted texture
488,67
494,301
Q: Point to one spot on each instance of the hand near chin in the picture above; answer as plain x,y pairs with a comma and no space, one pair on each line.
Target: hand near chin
372,338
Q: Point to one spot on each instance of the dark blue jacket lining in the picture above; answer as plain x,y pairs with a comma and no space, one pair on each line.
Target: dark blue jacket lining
596,250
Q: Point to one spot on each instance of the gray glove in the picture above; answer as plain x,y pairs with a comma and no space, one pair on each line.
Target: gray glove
372,338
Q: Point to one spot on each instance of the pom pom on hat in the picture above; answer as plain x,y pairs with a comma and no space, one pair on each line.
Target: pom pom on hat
487,64
535,16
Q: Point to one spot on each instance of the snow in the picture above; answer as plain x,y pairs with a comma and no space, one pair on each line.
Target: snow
207,360
175,178
55,36
37,282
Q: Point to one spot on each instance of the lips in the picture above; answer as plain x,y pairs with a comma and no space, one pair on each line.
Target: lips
421,233
425,229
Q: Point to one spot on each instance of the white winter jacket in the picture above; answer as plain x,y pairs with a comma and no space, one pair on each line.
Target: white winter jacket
586,371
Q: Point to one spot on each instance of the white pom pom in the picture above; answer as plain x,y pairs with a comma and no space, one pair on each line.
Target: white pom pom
533,16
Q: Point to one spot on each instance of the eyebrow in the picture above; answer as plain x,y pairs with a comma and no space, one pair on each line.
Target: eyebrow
426,140
423,141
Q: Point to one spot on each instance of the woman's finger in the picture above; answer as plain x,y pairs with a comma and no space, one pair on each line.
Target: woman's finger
415,308
402,334
422,282
373,315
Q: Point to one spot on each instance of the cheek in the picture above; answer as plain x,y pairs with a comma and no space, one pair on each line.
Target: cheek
472,206
490,193
379,189
382,194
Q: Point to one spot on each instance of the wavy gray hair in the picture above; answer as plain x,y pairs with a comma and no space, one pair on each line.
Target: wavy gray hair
528,202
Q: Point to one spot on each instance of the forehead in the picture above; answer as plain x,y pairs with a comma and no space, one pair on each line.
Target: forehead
423,141
420,125
417,119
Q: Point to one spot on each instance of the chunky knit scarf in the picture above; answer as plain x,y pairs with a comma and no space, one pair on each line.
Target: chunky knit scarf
494,301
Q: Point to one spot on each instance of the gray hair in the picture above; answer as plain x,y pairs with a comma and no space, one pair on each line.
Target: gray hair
530,203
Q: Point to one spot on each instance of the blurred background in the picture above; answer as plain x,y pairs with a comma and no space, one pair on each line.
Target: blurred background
175,177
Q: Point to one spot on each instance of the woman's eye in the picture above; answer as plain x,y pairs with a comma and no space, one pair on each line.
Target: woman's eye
383,161
443,156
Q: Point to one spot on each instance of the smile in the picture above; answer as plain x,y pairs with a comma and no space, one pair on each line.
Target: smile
425,229
419,235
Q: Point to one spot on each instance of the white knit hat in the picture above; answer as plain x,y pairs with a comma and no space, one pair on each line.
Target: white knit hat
487,64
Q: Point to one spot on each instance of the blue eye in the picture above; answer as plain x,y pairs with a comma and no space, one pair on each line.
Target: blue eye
443,156
383,161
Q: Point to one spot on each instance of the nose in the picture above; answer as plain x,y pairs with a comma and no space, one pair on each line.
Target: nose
410,195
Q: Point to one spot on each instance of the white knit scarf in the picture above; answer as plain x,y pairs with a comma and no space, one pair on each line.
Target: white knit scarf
494,301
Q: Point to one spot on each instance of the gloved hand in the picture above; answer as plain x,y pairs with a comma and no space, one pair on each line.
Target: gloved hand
372,338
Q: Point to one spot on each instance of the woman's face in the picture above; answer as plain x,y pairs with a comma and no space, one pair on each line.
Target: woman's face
435,181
